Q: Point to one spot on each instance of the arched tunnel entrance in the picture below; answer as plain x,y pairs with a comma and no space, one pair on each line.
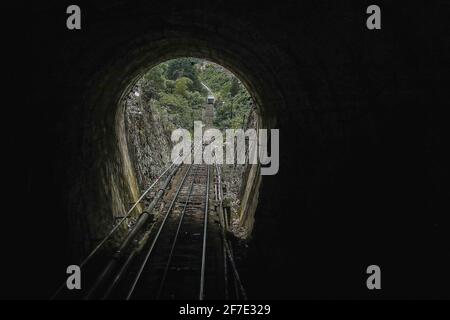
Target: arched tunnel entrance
109,159
348,193
113,172
101,179
171,207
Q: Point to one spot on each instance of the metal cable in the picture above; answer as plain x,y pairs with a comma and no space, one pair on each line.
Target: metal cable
95,250
136,279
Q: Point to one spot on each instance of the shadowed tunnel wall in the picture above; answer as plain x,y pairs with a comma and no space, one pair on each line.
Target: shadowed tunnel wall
361,172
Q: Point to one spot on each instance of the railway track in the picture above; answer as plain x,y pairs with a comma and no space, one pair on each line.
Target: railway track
174,265
177,249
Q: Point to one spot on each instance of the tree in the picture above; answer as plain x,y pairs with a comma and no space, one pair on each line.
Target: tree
184,67
175,87
182,85
153,82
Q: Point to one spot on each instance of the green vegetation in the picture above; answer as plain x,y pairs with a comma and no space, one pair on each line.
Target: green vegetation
176,91
233,102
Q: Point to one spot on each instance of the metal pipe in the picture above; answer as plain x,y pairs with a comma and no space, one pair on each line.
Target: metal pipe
125,266
97,247
130,236
119,274
86,260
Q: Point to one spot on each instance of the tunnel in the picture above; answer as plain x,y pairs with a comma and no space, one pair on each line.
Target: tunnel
361,173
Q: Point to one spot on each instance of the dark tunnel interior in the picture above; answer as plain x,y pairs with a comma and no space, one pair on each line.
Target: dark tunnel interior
362,176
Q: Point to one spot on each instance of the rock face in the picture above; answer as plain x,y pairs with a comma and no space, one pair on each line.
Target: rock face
148,140
242,185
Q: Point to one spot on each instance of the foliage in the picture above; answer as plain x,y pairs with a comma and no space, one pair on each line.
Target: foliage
233,103
177,93
182,85
233,112
184,67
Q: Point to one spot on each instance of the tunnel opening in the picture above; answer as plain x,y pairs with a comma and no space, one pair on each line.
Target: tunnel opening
140,126
111,169
174,94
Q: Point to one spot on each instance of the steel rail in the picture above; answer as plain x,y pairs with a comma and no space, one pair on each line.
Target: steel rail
125,217
169,210
205,229
114,229
236,273
119,274
172,249
130,236
125,267
218,186
228,249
